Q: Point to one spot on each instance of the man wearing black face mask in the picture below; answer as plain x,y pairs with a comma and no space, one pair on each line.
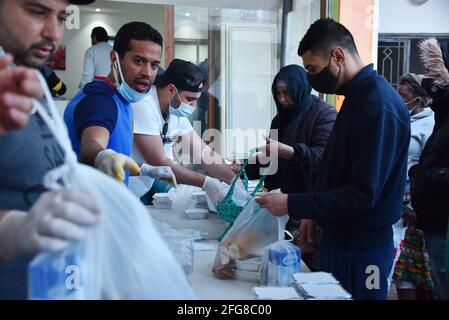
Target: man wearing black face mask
358,194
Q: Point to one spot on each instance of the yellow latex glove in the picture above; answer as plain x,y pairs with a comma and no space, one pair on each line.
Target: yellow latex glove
114,164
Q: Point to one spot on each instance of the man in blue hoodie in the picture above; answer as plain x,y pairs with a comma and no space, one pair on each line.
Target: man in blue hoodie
358,194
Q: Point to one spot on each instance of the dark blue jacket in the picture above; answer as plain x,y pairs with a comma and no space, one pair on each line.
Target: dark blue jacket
360,186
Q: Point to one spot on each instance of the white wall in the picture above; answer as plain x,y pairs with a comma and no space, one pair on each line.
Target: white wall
304,13
401,16
112,17
193,26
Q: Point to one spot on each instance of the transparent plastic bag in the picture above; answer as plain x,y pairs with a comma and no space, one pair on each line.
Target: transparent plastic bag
237,197
253,230
124,257
281,260
180,242
238,193
240,196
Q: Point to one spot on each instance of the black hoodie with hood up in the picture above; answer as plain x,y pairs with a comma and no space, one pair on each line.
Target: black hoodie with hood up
429,179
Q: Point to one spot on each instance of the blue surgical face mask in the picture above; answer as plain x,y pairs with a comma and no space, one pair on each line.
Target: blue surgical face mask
123,88
184,109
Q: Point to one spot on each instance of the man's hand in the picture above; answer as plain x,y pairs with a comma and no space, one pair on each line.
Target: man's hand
276,203
235,165
307,235
57,218
161,173
114,164
18,86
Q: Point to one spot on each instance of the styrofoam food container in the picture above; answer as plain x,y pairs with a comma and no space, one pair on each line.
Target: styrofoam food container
196,213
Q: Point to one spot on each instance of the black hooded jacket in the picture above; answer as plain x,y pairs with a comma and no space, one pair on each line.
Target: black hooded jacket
306,126
429,179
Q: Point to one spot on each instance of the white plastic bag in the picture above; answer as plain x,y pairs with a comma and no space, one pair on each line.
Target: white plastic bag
253,230
124,257
280,262
240,196
399,231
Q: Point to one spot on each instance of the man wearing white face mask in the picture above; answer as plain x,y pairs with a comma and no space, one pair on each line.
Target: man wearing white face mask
100,117
160,120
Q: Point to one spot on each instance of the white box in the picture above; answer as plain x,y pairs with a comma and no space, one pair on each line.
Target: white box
315,278
196,213
324,291
276,293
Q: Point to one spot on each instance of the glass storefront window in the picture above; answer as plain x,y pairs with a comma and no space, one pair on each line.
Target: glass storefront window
239,50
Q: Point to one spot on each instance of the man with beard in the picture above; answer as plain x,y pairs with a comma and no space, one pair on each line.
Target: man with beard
31,219
100,117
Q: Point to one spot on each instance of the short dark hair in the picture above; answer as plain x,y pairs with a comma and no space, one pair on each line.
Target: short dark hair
100,34
135,31
325,34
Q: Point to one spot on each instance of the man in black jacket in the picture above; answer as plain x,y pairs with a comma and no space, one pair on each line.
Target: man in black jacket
360,186
299,133
429,179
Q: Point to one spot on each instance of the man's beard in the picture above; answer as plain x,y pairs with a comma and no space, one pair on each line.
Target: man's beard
28,59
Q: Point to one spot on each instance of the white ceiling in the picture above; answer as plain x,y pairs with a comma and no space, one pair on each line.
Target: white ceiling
270,5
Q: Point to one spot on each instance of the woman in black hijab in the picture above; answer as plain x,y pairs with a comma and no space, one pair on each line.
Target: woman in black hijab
303,125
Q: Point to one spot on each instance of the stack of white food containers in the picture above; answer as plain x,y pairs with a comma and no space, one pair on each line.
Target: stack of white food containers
320,286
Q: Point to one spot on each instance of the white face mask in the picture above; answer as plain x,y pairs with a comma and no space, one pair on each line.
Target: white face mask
183,110
410,102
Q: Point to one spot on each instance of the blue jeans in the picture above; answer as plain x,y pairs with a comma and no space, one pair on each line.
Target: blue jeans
436,247
364,274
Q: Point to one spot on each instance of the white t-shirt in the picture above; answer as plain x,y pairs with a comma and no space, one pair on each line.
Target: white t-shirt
148,120
97,62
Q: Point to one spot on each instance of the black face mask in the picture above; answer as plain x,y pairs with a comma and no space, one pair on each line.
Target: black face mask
325,81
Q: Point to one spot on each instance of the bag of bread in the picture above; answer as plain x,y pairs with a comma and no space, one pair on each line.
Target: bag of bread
253,230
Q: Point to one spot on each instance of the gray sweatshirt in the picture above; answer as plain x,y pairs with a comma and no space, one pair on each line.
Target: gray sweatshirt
421,125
